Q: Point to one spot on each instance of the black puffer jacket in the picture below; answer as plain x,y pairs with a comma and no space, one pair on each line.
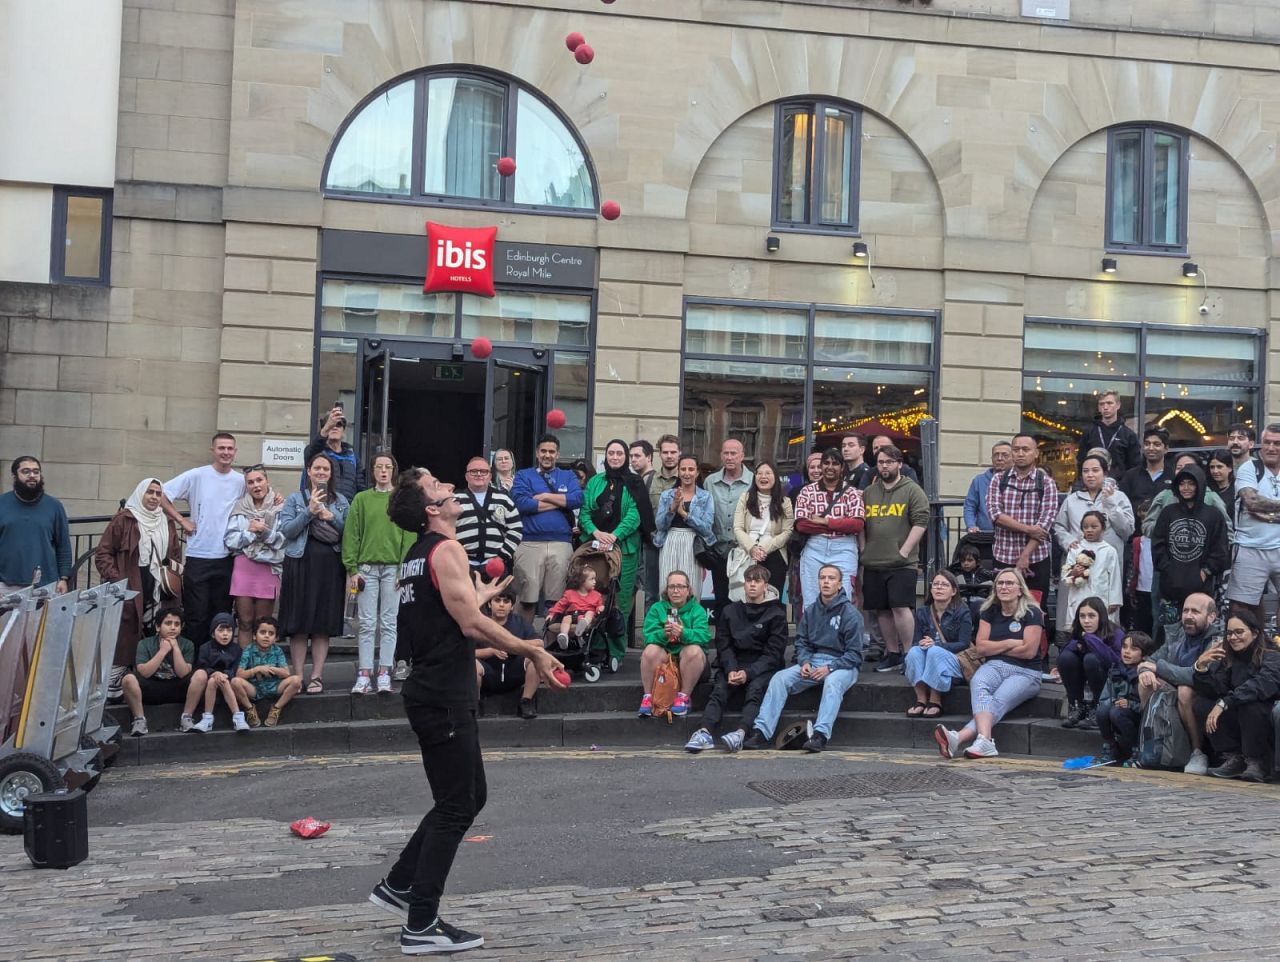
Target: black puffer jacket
752,638
1241,682
1190,538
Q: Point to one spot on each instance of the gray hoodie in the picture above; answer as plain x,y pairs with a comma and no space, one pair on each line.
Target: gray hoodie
1175,660
831,629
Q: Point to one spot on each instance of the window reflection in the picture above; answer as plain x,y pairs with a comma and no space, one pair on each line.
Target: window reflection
551,170
465,121
374,154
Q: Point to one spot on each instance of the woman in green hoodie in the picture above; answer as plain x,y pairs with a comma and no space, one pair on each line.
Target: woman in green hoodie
609,515
676,625
372,549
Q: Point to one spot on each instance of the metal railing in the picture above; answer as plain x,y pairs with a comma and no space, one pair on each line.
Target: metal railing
85,533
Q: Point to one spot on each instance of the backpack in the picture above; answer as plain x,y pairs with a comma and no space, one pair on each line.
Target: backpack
666,685
1163,742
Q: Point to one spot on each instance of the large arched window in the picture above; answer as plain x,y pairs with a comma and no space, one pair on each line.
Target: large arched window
437,137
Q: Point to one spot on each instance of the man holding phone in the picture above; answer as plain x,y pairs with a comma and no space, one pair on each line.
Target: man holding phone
347,477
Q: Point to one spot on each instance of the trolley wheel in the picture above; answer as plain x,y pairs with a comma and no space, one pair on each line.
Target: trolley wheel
614,664
591,673
23,774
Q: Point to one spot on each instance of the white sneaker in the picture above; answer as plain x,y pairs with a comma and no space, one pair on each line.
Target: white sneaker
580,628
363,685
1198,764
238,722
139,727
186,723
563,641
205,724
981,748
384,682
948,741
402,671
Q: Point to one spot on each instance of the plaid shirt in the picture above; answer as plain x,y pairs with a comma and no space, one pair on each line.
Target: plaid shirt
1033,501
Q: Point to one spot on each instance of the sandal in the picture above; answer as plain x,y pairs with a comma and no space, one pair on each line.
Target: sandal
916,710
315,686
932,710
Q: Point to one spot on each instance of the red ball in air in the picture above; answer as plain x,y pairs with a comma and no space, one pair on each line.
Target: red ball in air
481,347
574,40
494,568
584,54
506,166
610,210
562,676
556,419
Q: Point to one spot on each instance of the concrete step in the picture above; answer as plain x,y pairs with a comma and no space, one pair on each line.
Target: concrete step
1014,736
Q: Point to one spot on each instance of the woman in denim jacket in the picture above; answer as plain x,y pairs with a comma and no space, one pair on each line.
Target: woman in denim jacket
685,512
944,628
311,595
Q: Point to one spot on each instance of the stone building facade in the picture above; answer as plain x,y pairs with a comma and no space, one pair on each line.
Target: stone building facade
984,174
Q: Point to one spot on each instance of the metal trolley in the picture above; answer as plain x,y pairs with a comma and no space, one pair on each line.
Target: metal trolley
55,662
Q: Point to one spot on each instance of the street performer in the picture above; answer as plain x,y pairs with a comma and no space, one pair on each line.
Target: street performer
440,623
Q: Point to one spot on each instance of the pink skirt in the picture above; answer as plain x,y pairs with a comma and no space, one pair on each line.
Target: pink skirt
253,579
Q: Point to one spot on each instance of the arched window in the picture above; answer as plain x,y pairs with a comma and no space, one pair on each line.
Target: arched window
436,138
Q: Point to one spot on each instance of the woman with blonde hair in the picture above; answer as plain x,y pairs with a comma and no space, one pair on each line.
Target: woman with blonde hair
1010,629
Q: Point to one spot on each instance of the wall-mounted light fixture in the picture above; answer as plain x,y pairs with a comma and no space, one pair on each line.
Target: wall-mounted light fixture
772,243
859,249
1190,270
1108,265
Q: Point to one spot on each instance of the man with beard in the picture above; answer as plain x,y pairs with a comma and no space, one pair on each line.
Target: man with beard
34,535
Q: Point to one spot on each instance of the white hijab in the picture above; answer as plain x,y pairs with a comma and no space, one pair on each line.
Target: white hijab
153,528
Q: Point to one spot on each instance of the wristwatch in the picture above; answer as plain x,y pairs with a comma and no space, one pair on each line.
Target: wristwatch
1221,705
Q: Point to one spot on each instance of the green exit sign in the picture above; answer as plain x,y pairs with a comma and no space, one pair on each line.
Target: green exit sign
450,372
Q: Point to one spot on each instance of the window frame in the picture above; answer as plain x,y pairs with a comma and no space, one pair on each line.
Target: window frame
815,166
417,196
58,237
808,361
1139,383
1146,177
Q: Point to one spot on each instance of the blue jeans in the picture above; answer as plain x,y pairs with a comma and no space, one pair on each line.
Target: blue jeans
788,680
822,550
934,667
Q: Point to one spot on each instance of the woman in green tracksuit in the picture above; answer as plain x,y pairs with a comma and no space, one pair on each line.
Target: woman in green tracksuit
611,514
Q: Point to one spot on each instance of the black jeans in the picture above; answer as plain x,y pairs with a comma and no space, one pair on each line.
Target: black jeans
777,566
450,741
1119,726
724,695
206,591
1243,730
1075,669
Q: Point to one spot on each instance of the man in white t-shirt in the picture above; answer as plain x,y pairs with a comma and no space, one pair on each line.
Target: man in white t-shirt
210,491
1257,559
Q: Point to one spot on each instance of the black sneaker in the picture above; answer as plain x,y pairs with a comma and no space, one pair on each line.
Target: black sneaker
890,661
440,937
755,741
817,743
1075,712
392,900
1089,720
1233,766
528,709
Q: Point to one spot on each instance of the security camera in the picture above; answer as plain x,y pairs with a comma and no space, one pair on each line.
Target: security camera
1204,311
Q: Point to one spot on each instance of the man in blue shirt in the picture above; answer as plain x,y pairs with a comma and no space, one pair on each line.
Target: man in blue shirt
34,535
976,517
546,497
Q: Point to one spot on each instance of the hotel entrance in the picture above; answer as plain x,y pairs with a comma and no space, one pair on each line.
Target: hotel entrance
436,409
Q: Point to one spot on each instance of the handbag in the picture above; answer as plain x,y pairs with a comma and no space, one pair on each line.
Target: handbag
705,554
970,662
170,580
735,571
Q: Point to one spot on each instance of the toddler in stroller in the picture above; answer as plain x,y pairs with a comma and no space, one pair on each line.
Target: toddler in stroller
974,577
580,604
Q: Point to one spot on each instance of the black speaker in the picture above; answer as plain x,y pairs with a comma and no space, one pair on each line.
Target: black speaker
56,827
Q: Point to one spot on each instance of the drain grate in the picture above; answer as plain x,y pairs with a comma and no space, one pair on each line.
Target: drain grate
867,785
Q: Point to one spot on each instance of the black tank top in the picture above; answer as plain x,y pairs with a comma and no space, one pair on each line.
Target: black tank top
444,668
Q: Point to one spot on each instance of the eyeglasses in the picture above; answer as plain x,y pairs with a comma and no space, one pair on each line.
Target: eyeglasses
255,467
677,587
478,471
1238,632
1006,584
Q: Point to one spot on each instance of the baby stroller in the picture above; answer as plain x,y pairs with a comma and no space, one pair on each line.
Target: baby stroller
975,587
588,654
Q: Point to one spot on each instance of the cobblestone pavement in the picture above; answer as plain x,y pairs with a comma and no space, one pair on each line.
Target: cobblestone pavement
993,860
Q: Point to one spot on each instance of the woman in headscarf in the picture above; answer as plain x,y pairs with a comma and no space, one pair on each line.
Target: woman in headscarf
142,546
615,505
254,537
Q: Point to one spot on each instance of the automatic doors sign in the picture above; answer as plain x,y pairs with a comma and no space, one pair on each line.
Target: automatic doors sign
282,452
460,259
1047,9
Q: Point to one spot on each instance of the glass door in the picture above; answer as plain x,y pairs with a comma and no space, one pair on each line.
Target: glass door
515,406
375,428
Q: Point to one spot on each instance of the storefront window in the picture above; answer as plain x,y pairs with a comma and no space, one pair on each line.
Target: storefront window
1195,383
780,410
527,318
572,380
390,309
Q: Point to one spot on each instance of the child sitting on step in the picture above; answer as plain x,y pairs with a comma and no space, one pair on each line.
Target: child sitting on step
264,673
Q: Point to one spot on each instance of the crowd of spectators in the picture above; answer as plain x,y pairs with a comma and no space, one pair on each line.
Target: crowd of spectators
1160,575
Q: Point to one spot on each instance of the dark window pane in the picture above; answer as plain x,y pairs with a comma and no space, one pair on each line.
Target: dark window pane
1126,178
756,402
1166,189
1198,415
374,152
869,401
572,377
1056,411
793,166
465,124
84,238
837,167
